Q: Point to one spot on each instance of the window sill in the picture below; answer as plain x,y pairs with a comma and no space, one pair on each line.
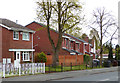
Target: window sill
25,40
26,60
64,47
15,39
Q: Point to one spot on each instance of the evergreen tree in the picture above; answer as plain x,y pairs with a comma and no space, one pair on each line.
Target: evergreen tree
117,52
110,55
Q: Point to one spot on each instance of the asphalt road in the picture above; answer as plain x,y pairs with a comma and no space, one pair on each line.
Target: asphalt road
107,76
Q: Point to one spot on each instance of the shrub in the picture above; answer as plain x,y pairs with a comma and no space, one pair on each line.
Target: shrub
86,58
41,57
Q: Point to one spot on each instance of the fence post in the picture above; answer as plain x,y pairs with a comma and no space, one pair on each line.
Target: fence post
96,65
43,67
55,67
61,67
32,68
71,65
79,66
19,69
4,70
49,68
86,66
102,65
99,65
92,65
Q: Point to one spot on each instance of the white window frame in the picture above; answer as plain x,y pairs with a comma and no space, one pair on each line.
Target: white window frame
66,43
26,54
69,44
13,35
72,45
28,36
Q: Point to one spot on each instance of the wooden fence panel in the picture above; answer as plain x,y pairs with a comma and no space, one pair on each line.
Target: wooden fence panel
76,59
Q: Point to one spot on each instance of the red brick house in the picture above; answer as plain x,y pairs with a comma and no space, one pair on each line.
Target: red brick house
70,45
16,42
89,45
40,40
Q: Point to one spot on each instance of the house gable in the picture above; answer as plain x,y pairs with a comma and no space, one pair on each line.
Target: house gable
10,25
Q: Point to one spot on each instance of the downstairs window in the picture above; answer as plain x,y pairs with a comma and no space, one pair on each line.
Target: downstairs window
26,56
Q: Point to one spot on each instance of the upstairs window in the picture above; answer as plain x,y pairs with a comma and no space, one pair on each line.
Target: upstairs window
25,36
15,35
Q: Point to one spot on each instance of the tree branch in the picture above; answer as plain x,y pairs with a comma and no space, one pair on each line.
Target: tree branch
71,26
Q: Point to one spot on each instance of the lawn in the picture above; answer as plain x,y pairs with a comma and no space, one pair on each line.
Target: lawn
67,68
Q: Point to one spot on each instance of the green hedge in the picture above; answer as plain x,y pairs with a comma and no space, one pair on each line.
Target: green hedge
86,58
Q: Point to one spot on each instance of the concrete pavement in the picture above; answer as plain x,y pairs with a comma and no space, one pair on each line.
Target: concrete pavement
60,75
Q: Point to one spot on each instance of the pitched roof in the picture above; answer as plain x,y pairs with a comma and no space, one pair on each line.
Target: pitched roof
13,26
57,32
75,37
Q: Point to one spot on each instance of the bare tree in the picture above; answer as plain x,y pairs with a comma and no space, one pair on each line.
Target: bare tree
63,14
103,21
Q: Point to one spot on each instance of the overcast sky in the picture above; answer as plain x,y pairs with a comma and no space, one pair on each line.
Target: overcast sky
25,10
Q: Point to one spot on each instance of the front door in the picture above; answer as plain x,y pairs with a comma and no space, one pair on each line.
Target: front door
17,59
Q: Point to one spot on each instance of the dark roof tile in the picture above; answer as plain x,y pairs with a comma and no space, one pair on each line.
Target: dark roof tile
14,26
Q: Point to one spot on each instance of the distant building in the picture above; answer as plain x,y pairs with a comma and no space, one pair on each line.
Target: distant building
105,56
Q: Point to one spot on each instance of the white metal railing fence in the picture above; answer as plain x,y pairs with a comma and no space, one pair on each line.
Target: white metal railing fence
22,69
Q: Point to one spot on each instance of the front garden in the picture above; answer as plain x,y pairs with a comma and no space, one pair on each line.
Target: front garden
69,67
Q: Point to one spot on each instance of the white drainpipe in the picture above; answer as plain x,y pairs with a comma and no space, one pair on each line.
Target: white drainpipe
32,48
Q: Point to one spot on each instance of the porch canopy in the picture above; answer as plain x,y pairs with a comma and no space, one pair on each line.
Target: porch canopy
21,49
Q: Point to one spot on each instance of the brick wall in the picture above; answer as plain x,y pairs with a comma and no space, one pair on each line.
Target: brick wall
41,41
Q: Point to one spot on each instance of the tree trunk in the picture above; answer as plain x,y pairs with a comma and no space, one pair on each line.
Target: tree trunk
101,47
58,46
56,50
55,58
101,55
